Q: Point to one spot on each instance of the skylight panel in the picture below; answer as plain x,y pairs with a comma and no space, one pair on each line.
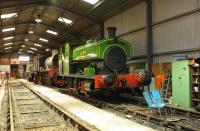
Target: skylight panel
33,48
8,29
30,51
8,38
5,16
42,39
7,48
65,20
7,44
52,32
91,1
38,45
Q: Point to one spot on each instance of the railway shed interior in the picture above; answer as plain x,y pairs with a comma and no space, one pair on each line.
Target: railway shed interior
99,65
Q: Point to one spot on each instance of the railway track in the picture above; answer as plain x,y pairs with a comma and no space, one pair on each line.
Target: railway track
28,110
176,119
181,119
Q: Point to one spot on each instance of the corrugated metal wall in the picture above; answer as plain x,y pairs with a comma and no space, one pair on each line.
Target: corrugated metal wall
170,57
180,33
173,27
163,9
138,42
127,23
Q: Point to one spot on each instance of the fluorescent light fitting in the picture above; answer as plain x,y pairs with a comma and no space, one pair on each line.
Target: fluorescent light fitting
65,20
5,16
91,1
8,29
26,39
42,39
7,48
38,45
8,38
30,51
8,44
38,20
52,32
33,48
30,32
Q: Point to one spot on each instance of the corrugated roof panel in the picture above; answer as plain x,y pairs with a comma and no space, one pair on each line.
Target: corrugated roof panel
19,29
107,7
25,14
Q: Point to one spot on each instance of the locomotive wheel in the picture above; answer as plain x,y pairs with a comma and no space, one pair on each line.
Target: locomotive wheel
115,59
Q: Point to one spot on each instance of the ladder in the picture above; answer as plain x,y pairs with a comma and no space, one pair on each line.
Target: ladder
167,88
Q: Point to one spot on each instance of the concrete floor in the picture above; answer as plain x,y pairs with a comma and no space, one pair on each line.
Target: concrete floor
1,92
101,119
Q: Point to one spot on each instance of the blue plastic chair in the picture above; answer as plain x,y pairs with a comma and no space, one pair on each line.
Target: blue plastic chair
153,97
154,100
157,99
148,99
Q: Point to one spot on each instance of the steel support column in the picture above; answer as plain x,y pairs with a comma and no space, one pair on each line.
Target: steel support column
102,30
149,36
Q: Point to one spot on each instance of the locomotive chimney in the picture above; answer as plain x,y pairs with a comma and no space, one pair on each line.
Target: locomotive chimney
111,32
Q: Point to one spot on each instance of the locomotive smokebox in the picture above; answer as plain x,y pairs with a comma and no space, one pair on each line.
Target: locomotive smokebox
111,32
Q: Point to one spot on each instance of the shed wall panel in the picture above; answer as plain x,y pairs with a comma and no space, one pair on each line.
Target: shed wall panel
137,41
164,9
197,30
169,58
179,34
129,20
199,3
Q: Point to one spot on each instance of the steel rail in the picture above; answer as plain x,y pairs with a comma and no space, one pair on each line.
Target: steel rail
11,124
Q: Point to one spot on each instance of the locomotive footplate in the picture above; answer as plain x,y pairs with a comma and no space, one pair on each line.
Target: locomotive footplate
78,76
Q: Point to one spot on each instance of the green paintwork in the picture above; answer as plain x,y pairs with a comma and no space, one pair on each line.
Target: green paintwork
60,55
89,71
181,84
97,50
66,59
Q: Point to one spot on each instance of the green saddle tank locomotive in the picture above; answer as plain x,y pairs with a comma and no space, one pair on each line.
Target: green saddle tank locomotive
99,66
